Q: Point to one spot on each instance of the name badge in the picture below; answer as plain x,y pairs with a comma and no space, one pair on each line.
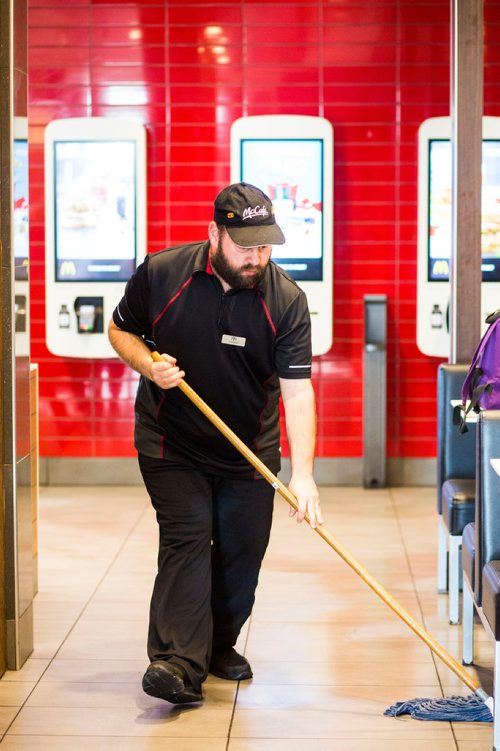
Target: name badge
236,341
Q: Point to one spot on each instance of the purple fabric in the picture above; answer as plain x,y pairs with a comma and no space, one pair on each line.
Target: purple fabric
482,383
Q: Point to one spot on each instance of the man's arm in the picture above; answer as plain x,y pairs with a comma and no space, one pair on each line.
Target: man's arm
300,414
136,354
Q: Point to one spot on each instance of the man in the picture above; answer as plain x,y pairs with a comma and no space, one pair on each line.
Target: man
239,328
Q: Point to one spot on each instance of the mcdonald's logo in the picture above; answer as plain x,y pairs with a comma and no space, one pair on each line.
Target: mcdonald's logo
441,268
67,268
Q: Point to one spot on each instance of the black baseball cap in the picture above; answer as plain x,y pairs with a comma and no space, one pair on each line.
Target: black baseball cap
248,215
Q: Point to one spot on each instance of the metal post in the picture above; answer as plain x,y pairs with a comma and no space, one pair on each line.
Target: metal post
374,391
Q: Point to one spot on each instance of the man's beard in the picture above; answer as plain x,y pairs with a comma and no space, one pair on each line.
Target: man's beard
234,277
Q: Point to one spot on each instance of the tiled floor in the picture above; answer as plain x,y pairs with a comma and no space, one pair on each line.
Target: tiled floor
328,656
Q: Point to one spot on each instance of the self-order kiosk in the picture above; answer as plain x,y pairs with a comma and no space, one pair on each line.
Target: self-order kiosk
95,227
290,158
434,229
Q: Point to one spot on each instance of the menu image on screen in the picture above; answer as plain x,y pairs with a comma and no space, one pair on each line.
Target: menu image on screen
21,227
95,210
290,172
439,213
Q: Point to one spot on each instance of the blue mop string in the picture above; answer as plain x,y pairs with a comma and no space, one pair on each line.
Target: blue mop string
452,709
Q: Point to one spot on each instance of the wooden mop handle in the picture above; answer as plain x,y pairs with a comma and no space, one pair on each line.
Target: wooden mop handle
322,532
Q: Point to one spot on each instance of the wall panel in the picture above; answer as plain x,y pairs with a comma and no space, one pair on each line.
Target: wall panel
375,70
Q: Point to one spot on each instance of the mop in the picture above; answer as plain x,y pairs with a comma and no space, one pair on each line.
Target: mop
477,707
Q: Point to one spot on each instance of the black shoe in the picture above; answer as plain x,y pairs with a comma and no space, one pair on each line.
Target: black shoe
169,681
228,664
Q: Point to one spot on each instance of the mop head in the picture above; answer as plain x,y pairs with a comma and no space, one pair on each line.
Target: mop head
452,709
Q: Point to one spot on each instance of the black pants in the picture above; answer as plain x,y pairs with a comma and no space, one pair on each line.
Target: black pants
213,534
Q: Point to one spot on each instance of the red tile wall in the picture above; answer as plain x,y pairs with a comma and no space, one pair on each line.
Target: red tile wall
374,69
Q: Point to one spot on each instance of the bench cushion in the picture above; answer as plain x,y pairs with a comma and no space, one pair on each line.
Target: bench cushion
491,596
458,500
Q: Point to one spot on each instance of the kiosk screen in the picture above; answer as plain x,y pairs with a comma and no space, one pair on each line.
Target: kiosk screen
290,171
21,226
95,210
439,214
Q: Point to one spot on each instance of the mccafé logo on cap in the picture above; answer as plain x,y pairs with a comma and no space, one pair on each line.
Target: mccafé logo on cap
250,212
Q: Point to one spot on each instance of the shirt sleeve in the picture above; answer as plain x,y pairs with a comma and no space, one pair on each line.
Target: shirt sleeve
132,312
293,349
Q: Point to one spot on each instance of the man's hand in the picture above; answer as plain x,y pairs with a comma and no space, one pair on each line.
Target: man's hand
166,374
305,490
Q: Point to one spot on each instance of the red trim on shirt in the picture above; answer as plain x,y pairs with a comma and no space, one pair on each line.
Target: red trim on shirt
173,299
268,315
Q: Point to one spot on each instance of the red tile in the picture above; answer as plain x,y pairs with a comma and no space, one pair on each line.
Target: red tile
284,35
130,36
55,3
62,447
59,37
58,77
374,14
135,15
205,35
351,54
194,96
274,14
213,15
115,429
281,57
119,410
53,17
114,447
72,96
69,428
129,74
221,114
413,13
122,55
346,93
66,56
425,74
181,74
129,94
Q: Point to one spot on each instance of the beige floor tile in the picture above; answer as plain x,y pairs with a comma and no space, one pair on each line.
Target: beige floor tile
361,724
319,642
481,671
31,671
157,721
106,743
345,672
322,605
320,744
90,671
95,671
7,714
473,731
14,693
94,639
122,610
218,695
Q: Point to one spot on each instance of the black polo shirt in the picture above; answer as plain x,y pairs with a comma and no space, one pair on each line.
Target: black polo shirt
233,346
